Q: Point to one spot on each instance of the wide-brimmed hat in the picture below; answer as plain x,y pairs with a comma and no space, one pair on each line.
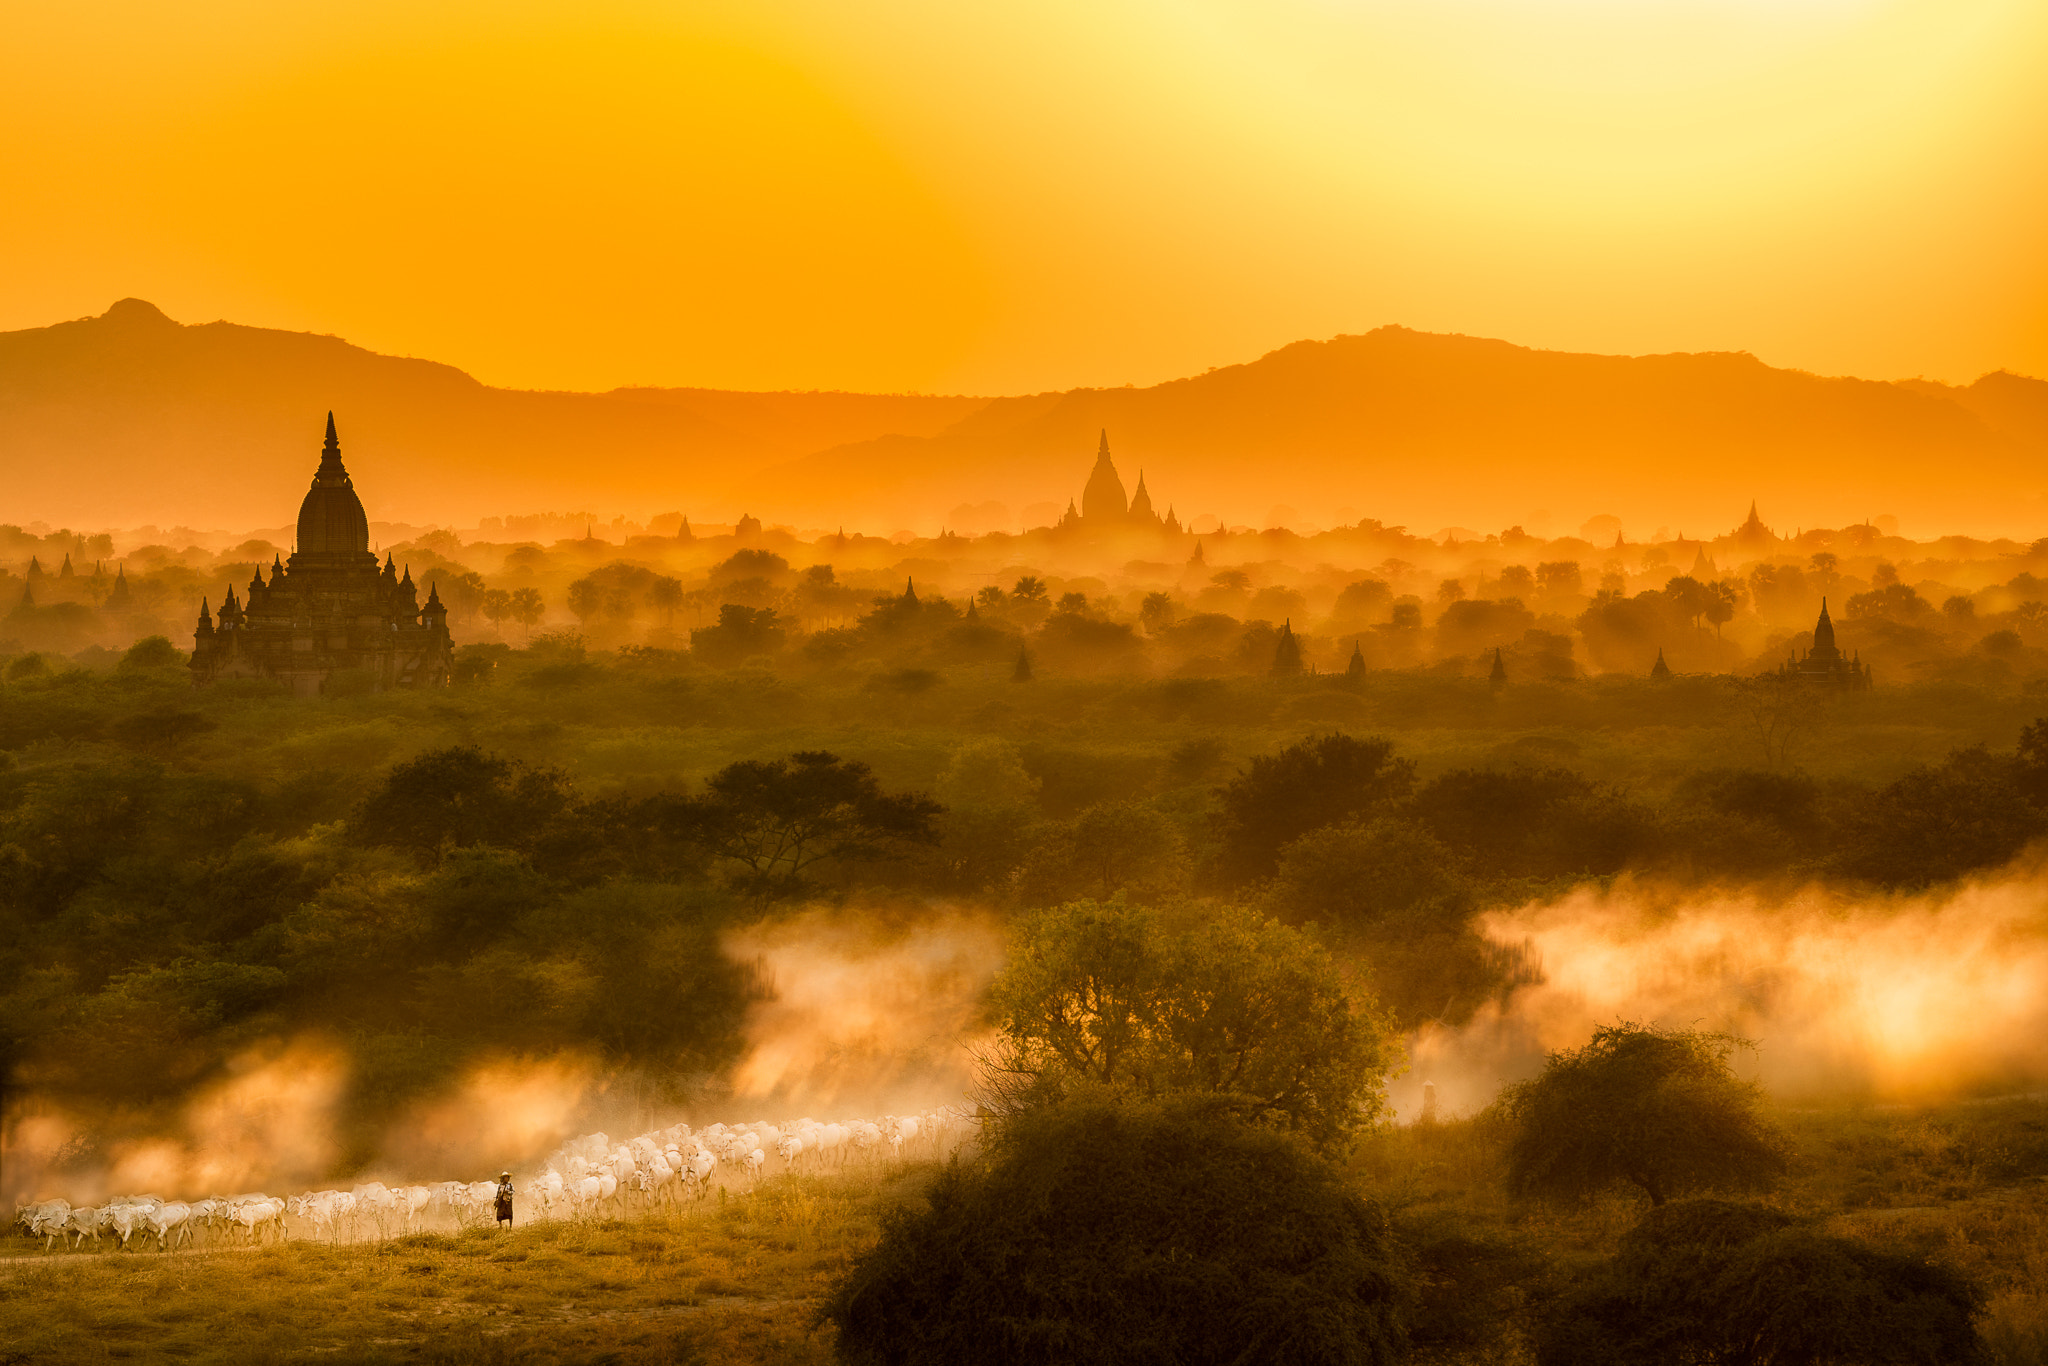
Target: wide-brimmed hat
504,1174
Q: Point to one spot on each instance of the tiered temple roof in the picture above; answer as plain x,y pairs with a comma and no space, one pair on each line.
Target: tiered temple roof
329,610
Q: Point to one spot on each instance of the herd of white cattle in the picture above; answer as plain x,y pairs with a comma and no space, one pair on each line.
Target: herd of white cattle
592,1176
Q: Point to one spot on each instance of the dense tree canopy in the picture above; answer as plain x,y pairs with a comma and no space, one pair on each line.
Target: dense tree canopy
1279,797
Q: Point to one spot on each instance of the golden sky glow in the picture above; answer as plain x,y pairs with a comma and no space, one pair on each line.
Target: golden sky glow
1000,197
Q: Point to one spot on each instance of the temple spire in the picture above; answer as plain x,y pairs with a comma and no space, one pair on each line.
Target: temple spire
331,467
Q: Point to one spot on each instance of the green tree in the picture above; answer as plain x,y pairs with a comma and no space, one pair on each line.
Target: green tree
1109,848
153,652
1396,896
741,633
1659,1109
1155,613
777,819
527,608
460,796
1106,1232
496,606
1736,1285
987,772
1220,1001
1942,821
1277,798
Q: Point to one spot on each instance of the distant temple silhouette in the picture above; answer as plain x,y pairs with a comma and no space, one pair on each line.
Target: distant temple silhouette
330,609
1104,506
1824,663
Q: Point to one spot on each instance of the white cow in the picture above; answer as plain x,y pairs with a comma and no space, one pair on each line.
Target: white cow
255,1216
168,1220
413,1200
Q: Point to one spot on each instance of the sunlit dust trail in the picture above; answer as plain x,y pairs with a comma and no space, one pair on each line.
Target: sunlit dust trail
504,1112
1890,999
270,1120
863,1018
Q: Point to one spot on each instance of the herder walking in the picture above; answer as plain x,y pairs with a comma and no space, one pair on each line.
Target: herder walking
504,1197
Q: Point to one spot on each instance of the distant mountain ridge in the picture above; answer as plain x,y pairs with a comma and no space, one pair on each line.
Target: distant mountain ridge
130,418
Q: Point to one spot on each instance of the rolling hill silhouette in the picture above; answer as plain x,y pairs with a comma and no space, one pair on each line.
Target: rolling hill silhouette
130,418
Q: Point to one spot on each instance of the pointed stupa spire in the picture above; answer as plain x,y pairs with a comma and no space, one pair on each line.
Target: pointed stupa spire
1499,675
331,469
65,571
1287,650
1103,500
1660,669
1824,634
1356,668
909,591
1141,503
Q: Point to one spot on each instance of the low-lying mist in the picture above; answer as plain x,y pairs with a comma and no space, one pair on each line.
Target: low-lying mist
1850,998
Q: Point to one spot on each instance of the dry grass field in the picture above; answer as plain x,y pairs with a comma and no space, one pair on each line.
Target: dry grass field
730,1280
739,1279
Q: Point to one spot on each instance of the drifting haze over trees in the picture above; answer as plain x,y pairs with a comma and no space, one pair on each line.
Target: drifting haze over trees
1131,603
131,418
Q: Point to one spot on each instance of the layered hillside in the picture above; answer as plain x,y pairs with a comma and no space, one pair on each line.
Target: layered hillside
130,418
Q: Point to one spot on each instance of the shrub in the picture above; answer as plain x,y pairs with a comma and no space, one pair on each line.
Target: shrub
1126,1232
1659,1109
1722,1284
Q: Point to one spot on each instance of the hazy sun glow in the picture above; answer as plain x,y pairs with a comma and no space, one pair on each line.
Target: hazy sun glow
1004,197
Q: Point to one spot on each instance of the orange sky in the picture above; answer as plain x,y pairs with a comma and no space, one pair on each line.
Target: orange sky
1000,197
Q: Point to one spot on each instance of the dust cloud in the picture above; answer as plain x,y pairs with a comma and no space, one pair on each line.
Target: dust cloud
270,1121
1885,999
864,1020
867,1012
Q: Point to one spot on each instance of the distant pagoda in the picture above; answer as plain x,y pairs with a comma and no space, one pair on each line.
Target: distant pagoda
1104,506
1825,663
330,609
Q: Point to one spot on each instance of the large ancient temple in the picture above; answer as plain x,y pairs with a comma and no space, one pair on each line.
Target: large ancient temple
329,609
1104,506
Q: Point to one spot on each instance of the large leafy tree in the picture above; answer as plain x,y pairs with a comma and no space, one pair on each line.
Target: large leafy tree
1111,1231
1659,1109
1277,798
779,818
450,798
1220,1001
